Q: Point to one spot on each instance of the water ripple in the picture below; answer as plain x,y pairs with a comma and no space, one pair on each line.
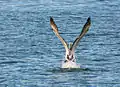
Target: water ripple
31,54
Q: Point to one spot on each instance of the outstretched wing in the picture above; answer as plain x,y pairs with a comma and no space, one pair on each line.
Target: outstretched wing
83,32
55,29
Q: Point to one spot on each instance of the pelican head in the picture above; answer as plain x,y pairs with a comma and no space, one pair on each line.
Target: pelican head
69,54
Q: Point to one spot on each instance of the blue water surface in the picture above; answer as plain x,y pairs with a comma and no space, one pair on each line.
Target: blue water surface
31,54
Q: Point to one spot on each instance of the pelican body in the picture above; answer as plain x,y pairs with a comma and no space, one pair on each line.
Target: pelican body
70,60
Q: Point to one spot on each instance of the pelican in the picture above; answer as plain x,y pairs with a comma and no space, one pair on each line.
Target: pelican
70,60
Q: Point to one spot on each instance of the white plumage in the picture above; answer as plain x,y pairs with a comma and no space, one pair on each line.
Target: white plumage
70,64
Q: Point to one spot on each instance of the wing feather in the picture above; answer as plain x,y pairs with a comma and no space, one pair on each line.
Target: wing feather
55,29
83,32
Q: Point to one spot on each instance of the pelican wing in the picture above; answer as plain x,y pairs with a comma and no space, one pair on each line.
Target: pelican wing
83,32
55,29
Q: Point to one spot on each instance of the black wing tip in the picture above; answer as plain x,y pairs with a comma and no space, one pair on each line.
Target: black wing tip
89,18
51,19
